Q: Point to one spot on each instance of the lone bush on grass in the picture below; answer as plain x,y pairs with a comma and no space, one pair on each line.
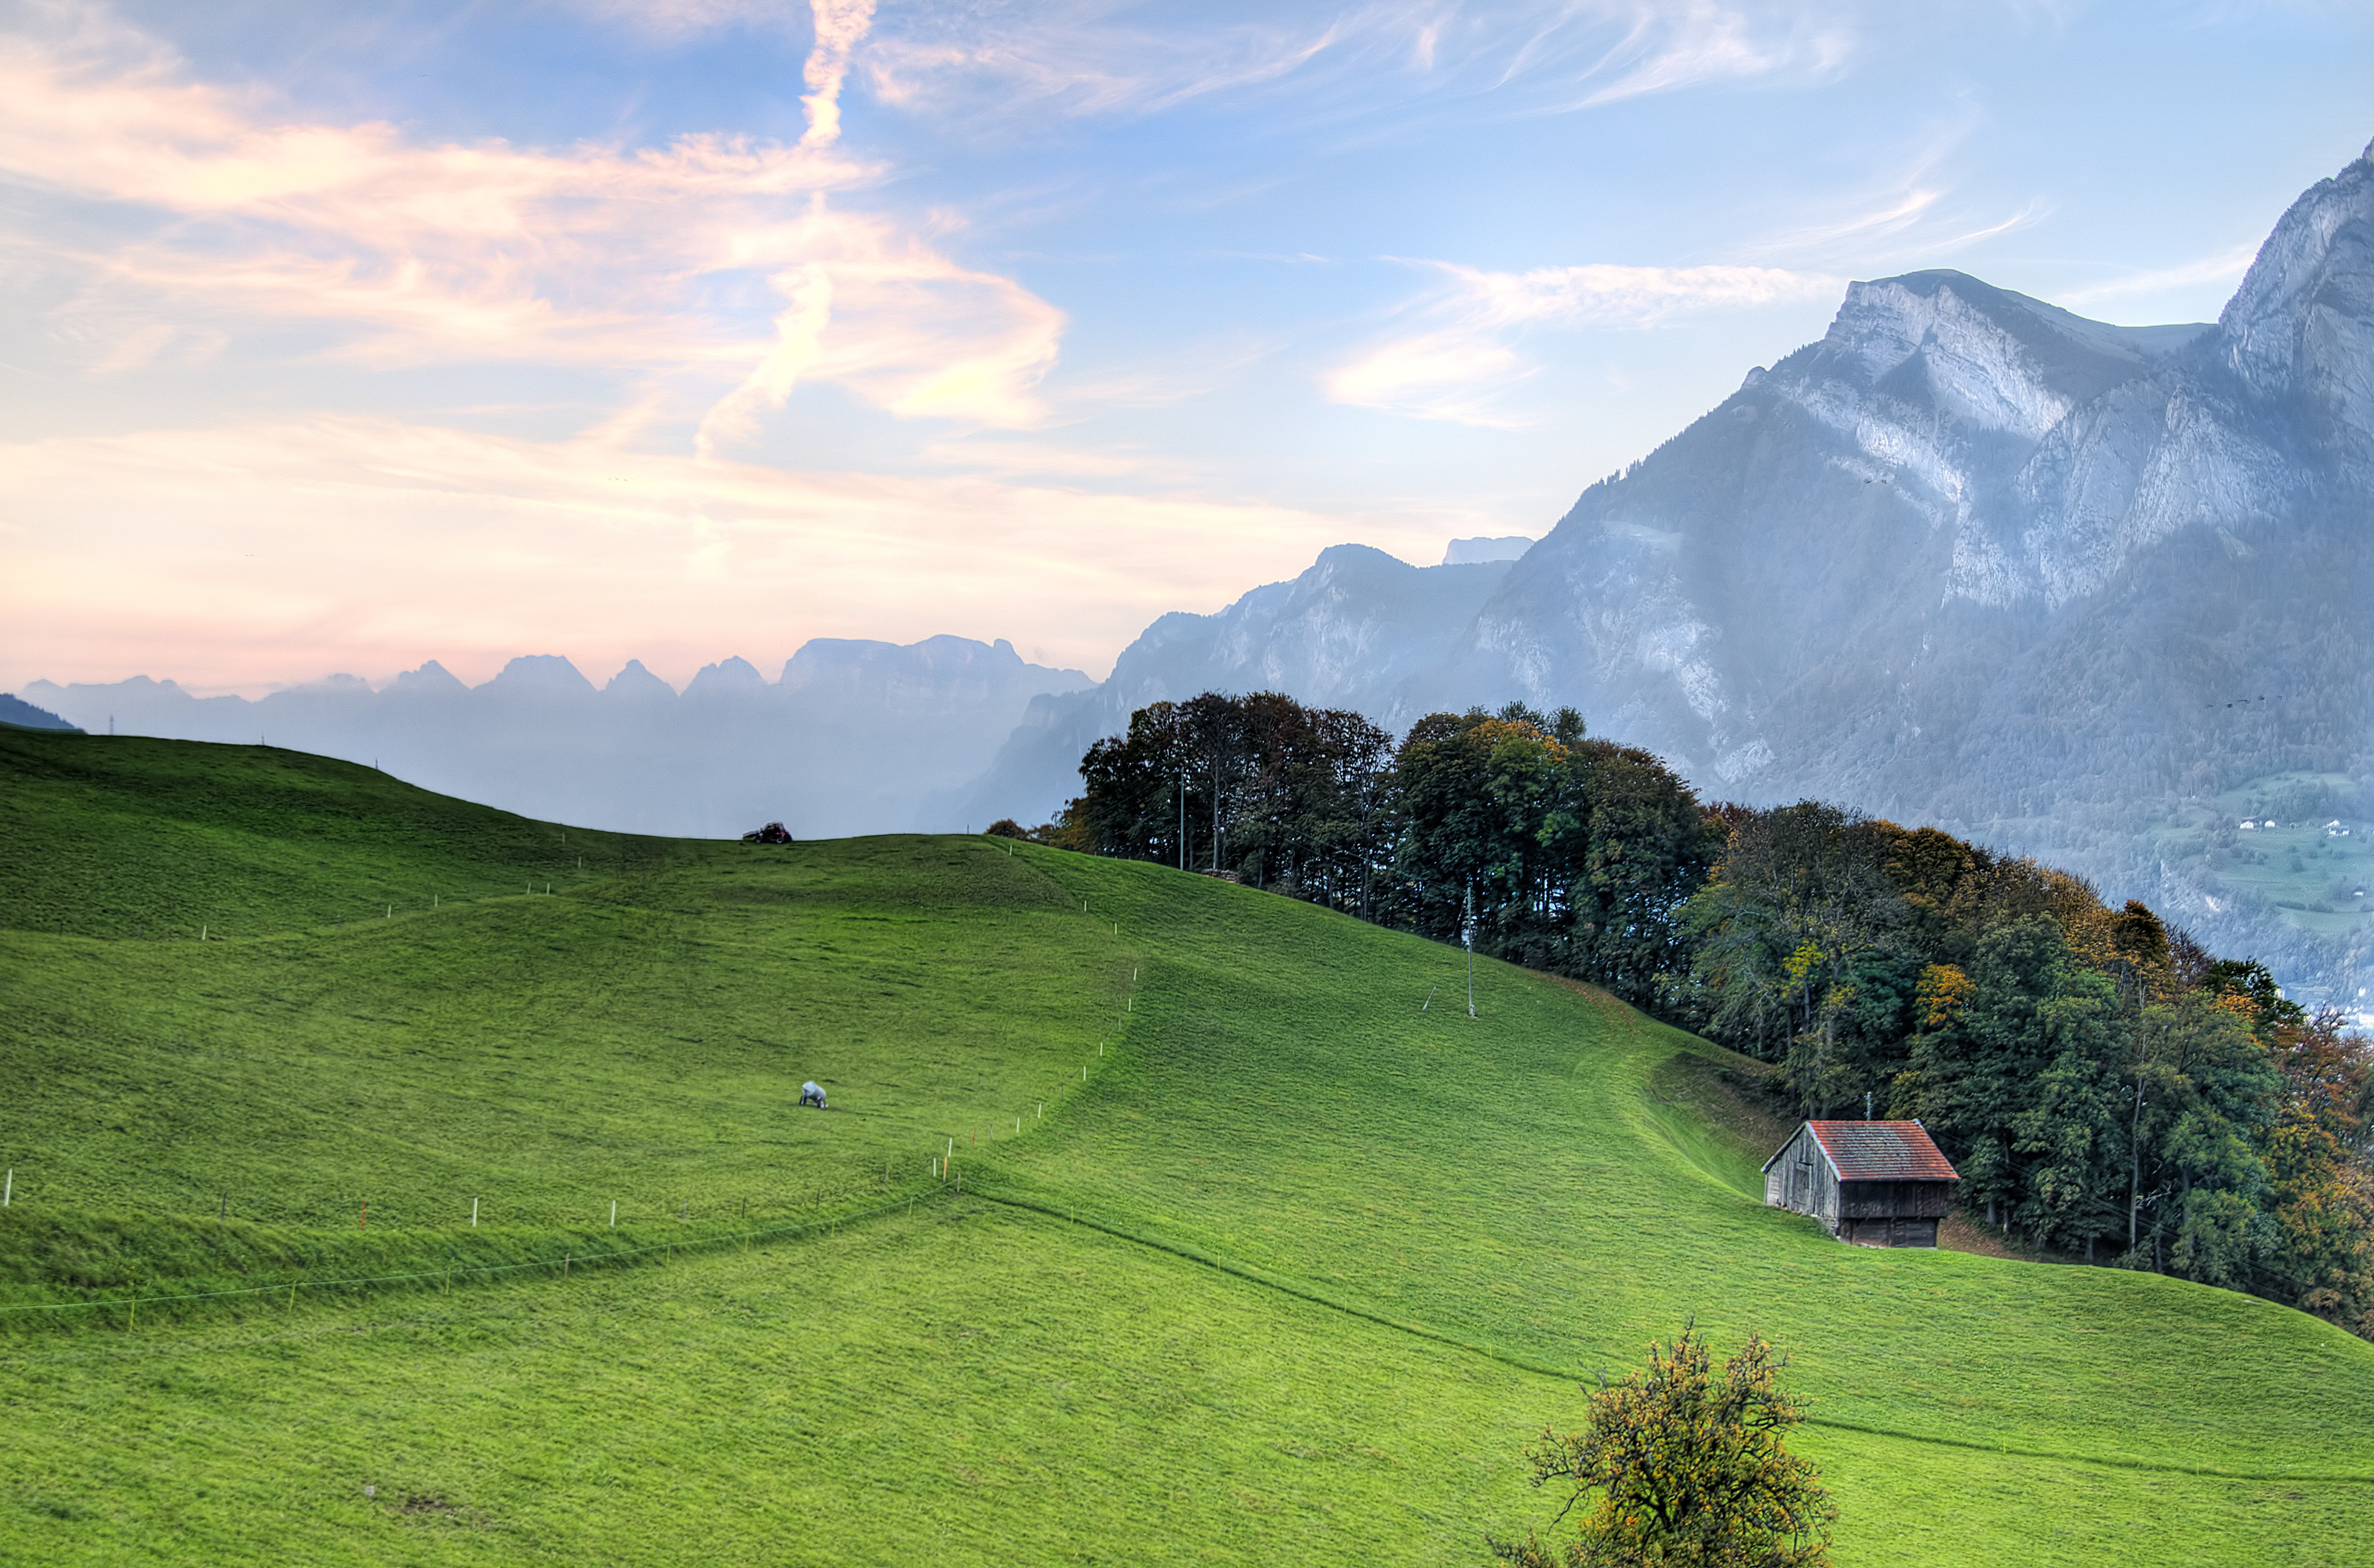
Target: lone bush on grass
1678,1467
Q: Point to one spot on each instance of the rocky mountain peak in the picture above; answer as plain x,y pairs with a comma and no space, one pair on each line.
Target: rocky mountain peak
1988,359
2302,324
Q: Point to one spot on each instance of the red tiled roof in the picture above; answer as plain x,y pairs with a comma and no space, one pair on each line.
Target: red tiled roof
1883,1151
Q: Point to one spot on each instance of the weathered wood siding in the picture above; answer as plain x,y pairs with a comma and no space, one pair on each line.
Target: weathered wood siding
1883,1214
1893,1231
1789,1181
1883,1200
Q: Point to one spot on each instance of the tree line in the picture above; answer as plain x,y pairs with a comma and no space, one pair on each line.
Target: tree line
2106,1088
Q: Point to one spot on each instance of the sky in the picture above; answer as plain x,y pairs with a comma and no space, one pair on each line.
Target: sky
334,339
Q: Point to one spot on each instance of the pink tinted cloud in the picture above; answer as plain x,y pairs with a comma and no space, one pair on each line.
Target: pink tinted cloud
408,253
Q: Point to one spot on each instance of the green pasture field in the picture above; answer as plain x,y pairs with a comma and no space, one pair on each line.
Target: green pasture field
2315,865
1288,1272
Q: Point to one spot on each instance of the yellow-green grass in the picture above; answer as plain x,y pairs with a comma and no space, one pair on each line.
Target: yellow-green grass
975,1385
1291,1277
1510,1181
335,1101
164,840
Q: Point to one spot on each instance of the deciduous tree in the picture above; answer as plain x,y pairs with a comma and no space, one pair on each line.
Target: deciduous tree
1677,1464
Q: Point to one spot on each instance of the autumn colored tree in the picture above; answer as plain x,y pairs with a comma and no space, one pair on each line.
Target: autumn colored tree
2321,1160
1677,1464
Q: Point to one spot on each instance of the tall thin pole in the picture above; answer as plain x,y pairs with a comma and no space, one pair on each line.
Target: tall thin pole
1467,934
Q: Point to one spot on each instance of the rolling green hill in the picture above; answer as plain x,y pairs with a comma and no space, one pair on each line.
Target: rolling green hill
1249,1256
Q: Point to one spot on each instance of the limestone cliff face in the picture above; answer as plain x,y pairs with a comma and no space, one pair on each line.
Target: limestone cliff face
1874,554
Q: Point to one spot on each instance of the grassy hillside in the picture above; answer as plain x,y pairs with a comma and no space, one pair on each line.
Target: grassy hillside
1287,1273
161,840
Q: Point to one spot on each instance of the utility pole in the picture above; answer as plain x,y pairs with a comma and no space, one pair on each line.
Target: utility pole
1467,936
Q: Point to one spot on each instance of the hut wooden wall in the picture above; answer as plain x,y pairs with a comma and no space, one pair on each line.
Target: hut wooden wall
1901,1214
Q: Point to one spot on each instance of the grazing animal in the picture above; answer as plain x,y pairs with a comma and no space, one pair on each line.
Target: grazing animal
812,1093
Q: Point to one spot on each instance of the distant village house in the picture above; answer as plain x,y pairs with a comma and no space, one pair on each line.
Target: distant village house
1874,1184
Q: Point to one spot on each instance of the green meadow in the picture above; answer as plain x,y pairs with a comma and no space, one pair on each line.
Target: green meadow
2315,863
1254,1246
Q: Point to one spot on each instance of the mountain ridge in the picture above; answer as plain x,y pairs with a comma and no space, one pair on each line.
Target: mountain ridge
2073,589
848,739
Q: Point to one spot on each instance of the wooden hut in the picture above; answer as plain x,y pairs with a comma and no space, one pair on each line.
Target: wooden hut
1876,1184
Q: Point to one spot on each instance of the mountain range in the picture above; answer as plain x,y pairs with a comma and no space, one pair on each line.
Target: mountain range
2094,593
853,736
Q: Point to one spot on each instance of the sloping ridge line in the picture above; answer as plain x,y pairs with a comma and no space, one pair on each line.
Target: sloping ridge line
1401,1326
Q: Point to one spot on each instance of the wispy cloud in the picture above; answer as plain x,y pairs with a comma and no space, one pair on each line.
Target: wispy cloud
396,251
1908,212
1451,368
1097,57
840,25
1672,46
2224,268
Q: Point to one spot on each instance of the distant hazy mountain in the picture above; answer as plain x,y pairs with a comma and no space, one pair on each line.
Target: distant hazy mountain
2079,589
1361,629
852,738
24,716
2091,592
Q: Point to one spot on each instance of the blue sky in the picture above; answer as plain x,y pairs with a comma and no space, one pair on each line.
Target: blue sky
698,328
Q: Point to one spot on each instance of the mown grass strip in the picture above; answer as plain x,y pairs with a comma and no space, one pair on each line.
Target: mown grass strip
1320,1297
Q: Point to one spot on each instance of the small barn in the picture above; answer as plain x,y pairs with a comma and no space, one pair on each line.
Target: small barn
1874,1184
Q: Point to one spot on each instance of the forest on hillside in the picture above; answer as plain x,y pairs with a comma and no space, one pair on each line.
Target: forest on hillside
2108,1089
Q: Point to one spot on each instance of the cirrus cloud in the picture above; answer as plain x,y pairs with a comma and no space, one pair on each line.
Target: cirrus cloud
1081,58
1452,366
